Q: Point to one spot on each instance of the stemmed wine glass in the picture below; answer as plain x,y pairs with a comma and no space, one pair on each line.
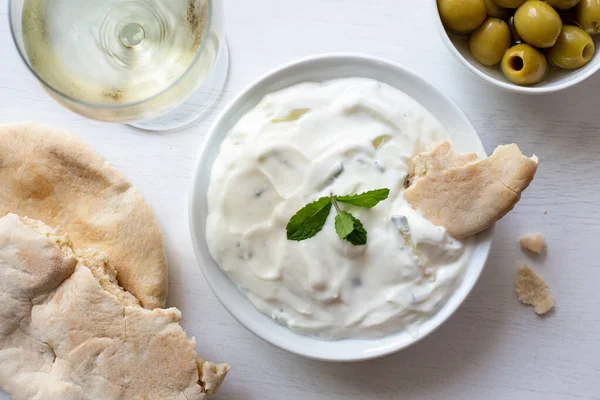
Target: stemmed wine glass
154,64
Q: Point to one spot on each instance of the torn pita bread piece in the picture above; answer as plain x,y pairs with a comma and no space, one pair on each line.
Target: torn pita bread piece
535,243
50,175
532,290
440,158
69,332
466,195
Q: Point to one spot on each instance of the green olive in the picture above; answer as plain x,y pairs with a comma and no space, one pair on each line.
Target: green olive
509,3
588,15
538,23
524,65
562,4
573,49
494,11
489,42
461,16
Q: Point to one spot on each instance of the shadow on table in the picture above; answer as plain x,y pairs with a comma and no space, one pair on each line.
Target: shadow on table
206,118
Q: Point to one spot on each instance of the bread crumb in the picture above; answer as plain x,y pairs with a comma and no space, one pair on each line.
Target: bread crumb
532,290
536,243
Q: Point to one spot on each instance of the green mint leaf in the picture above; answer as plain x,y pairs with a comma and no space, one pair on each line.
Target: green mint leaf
344,224
307,222
367,199
358,236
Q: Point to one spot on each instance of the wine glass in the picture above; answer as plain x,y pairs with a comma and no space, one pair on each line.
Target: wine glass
154,64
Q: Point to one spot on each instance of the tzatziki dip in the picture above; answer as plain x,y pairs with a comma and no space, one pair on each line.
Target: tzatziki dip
312,140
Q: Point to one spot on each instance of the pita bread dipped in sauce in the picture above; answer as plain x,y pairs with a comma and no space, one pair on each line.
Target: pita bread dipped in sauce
310,140
467,195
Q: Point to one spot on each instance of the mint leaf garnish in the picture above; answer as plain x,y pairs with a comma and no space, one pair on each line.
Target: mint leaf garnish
358,236
367,199
307,222
344,225
348,227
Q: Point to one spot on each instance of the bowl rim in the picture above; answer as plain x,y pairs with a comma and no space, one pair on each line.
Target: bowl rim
484,239
511,87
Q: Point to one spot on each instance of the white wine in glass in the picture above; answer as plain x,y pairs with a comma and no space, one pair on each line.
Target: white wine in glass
130,61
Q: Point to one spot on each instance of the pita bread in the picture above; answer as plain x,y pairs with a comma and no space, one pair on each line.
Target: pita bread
536,243
465,195
64,336
50,175
440,158
532,290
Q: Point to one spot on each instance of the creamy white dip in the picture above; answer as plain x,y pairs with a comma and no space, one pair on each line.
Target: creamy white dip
343,137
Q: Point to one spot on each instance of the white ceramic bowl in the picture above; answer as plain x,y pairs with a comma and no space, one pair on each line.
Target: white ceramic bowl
320,68
557,79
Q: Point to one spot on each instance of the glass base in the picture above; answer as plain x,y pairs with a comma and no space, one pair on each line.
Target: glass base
200,103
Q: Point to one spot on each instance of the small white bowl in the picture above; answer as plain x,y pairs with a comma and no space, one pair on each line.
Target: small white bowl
557,79
321,68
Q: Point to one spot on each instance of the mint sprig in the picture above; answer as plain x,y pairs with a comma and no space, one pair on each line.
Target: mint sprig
309,220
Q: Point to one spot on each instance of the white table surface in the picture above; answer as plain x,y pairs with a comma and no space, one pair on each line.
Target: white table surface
493,347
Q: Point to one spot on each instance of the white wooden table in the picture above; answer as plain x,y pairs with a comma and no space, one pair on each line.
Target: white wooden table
492,348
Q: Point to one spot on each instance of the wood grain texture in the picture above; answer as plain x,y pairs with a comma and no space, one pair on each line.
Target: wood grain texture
493,348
